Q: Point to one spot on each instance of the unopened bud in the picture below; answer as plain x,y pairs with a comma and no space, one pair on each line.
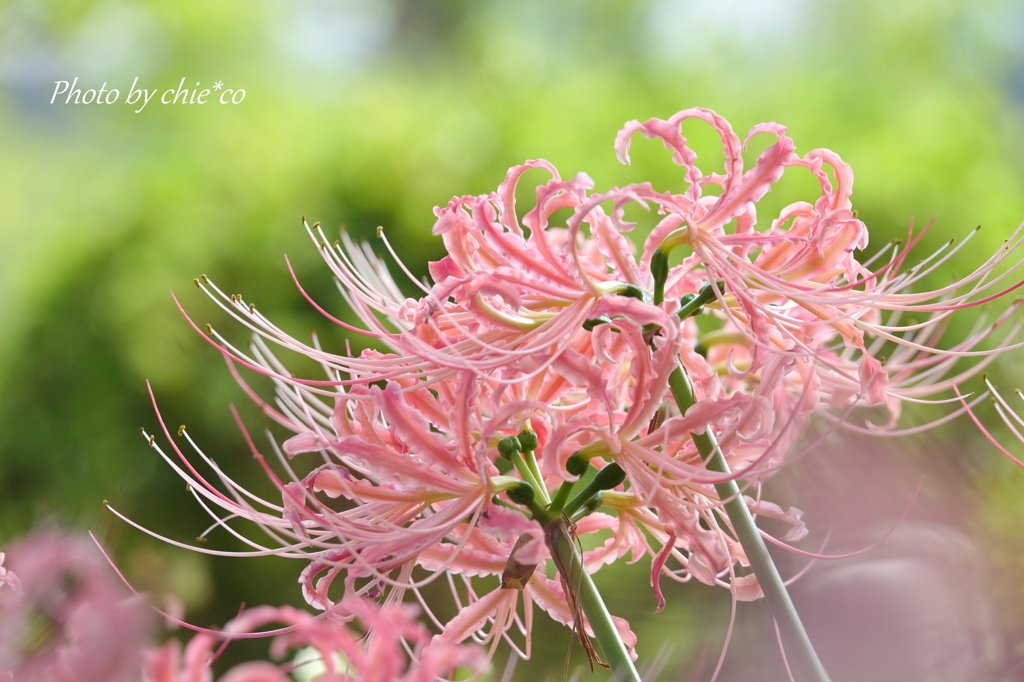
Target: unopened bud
527,440
659,270
690,306
707,292
576,465
633,291
522,494
509,446
609,477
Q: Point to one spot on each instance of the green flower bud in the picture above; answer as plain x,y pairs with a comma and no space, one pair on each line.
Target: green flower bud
527,440
523,494
633,291
609,477
691,304
576,465
707,293
659,269
509,446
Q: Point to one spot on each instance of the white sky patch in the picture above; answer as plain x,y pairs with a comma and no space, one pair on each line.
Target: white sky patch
335,36
687,30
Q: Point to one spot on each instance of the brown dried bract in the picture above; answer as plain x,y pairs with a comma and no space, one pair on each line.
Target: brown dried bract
516,574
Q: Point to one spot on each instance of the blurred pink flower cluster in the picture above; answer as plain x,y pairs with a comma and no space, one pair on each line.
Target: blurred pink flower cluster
65,617
374,655
542,355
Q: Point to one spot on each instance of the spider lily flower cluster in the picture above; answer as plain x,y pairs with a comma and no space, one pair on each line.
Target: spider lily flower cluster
531,383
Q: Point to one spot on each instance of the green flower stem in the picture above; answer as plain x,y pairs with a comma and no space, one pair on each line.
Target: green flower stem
567,557
527,473
561,496
799,652
606,478
531,462
580,499
591,506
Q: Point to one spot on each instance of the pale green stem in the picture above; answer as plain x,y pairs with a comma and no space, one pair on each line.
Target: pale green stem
561,496
528,475
531,461
613,650
800,653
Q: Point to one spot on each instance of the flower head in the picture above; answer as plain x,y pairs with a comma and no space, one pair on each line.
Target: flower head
528,388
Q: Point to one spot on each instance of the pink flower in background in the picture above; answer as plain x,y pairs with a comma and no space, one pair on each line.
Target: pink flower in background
64,616
394,648
8,578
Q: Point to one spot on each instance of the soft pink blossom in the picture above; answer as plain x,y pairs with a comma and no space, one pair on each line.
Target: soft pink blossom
556,329
796,287
64,616
394,648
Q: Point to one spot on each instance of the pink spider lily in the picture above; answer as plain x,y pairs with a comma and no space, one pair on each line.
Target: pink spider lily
604,385
63,615
409,458
671,493
501,299
385,528
796,287
604,410
911,371
414,467
507,301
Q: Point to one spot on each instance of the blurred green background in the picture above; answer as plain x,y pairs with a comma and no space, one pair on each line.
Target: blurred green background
371,113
